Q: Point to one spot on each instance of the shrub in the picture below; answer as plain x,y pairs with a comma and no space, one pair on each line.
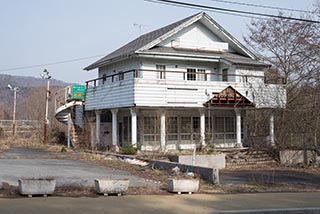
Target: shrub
1,132
129,150
57,136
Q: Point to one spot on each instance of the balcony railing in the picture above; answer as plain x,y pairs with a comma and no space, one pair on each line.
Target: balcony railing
187,76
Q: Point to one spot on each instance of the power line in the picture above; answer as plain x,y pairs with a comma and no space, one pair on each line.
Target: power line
50,63
177,3
264,6
203,9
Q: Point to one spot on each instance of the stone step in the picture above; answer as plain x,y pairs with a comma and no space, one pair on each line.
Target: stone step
249,160
248,154
243,158
251,163
260,163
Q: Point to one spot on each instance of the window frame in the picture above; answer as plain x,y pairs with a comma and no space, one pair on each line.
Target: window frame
201,74
120,75
161,71
191,75
225,74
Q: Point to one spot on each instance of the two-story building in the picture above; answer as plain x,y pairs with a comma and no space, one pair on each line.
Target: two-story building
186,84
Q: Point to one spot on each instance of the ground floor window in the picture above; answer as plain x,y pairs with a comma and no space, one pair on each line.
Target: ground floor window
172,128
126,130
151,129
208,129
182,129
186,130
225,129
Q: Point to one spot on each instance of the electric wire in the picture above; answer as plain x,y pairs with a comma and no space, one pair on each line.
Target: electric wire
179,4
190,6
264,6
47,64
203,9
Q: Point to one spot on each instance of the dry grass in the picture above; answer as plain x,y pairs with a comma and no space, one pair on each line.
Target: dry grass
75,191
4,144
258,184
31,141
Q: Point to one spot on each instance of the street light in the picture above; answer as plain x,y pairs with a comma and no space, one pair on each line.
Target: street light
45,75
14,89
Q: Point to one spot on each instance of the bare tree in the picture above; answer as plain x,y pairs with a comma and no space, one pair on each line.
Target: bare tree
293,50
291,47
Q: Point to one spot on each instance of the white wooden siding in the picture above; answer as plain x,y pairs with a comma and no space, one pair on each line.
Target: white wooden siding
196,36
113,95
174,91
170,93
118,67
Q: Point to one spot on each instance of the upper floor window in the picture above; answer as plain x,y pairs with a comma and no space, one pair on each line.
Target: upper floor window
161,71
225,75
121,75
104,78
191,74
196,74
202,75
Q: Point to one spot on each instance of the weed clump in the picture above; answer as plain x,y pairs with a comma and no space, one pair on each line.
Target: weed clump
129,150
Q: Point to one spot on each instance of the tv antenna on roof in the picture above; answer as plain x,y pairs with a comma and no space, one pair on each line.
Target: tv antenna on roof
139,26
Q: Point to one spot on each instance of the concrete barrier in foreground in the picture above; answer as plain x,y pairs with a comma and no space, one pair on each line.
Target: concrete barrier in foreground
206,173
36,186
211,161
111,186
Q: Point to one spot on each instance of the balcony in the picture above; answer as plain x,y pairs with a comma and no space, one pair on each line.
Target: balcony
190,88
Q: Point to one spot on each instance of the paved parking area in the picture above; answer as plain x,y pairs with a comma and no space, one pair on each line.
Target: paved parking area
20,162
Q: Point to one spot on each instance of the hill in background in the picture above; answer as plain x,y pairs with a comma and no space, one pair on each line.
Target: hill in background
30,97
22,81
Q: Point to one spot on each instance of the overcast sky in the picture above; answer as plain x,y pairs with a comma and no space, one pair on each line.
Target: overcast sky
37,32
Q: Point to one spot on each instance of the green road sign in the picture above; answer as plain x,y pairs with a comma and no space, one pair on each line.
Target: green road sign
78,92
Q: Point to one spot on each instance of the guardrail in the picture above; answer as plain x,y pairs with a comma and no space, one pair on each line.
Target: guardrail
20,125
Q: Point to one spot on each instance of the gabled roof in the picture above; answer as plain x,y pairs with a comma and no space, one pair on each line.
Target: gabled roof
151,39
228,97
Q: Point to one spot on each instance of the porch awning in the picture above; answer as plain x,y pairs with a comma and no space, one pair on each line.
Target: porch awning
228,97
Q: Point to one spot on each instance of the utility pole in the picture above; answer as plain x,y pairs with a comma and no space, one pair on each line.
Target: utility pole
14,89
45,75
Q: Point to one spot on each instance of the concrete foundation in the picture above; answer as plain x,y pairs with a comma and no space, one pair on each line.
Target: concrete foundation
212,161
294,157
206,173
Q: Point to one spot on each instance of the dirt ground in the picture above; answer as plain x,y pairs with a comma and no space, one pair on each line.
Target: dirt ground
257,179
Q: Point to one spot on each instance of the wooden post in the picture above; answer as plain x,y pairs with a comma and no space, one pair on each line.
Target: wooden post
14,111
162,129
238,125
114,129
133,127
46,121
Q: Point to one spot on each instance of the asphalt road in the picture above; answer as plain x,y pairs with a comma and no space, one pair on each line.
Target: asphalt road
20,162
198,203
